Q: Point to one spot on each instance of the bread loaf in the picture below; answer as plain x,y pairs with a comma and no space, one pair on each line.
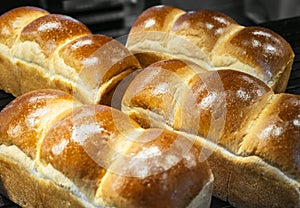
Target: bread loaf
56,152
40,50
252,135
213,40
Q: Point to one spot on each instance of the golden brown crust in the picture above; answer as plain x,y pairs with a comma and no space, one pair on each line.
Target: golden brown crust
95,60
203,27
213,40
155,93
188,98
57,52
153,187
90,153
251,134
231,96
158,18
275,136
65,147
50,31
13,21
19,124
81,49
260,48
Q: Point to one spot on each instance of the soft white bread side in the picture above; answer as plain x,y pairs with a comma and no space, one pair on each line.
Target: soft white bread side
40,50
251,134
56,152
213,40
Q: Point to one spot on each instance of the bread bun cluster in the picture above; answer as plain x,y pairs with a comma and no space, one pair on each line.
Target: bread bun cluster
192,106
212,40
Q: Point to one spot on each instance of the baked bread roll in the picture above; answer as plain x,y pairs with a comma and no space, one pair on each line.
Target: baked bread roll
41,50
213,40
251,134
57,152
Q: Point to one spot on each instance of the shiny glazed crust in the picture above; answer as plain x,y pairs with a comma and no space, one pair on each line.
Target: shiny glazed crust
251,134
57,151
39,50
213,40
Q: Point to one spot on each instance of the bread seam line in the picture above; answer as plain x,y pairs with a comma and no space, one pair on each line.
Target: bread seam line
52,76
211,145
50,173
42,172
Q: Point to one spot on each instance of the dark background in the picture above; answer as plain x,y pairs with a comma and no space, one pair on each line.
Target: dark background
108,17
114,17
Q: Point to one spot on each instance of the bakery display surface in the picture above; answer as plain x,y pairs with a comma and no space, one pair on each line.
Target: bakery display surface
289,30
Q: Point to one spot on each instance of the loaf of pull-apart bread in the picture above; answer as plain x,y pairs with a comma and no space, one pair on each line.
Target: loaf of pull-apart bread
205,97
251,134
56,152
42,50
213,40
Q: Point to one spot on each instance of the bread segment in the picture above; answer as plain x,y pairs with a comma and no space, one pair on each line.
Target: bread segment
28,122
13,22
204,28
275,135
259,52
46,34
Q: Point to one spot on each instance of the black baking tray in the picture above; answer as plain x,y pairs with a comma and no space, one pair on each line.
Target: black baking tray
287,28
